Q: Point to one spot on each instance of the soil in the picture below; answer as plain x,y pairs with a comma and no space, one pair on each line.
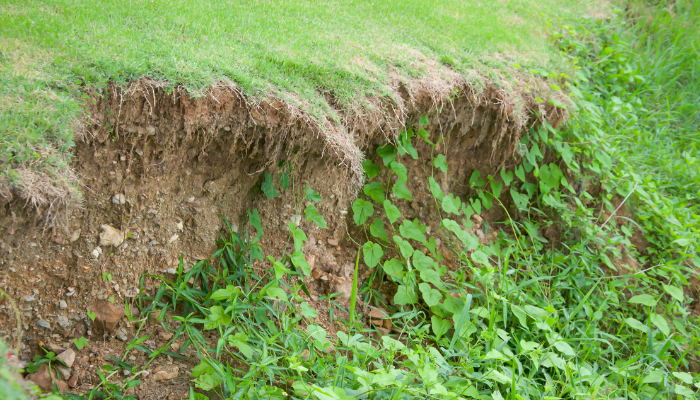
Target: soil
162,167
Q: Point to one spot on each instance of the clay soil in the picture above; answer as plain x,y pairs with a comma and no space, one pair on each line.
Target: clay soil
163,168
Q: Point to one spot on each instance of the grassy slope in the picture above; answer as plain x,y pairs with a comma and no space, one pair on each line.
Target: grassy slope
296,50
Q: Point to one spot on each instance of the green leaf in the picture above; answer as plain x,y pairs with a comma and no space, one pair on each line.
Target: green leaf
480,257
217,317
387,153
636,324
377,229
80,342
476,206
372,254
401,191
412,230
440,163
298,235
643,299
277,292
375,191
423,120
435,188
507,176
254,220
431,296
313,216
225,294
660,323
361,211
451,204
300,262
684,376
465,237
405,145
308,311
475,181
240,340
440,326
371,169
421,261
268,187
404,296
394,267
520,173
520,200
312,195
520,314
392,212
405,247
604,159
400,171
496,188
675,292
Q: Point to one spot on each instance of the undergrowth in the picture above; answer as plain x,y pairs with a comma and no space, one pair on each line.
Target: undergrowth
587,314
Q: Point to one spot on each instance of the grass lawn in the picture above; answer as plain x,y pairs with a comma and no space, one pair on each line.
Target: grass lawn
295,50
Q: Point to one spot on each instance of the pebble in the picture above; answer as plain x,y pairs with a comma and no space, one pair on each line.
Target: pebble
28,298
173,238
62,304
44,324
68,357
172,271
96,252
121,335
75,236
110,236
332,242
126,372
63,321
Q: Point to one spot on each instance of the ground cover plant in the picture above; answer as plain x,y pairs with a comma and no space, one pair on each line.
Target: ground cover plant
582,313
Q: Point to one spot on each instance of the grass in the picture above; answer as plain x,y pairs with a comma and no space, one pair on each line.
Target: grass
299,51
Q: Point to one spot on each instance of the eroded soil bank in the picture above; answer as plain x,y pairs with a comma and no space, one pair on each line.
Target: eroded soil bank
161,169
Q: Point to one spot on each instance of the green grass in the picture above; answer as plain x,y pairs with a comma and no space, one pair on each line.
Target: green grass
296,50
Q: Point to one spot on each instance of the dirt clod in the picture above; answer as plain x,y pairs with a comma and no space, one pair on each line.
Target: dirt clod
166,374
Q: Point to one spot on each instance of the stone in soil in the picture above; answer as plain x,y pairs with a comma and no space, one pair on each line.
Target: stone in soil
107,315
42,378
110,236
68,357
166,374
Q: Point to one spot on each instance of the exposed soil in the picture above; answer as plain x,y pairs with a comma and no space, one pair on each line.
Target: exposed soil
162,168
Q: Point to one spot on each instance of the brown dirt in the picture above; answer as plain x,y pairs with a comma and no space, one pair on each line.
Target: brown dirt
182,162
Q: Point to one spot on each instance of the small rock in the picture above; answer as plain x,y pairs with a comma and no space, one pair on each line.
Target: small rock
28,298
146,373
118,199
55,348
172,271
384,331
296,219
42,378
165,336
316,273
110,236
44,324
131,292
126,372
173,238
65,372
96,252
68,357
121,335
332,242
74,236
73,381
180,225
378,313
63,321
175,346
166,374
62,304
107,315
62,386
58,239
